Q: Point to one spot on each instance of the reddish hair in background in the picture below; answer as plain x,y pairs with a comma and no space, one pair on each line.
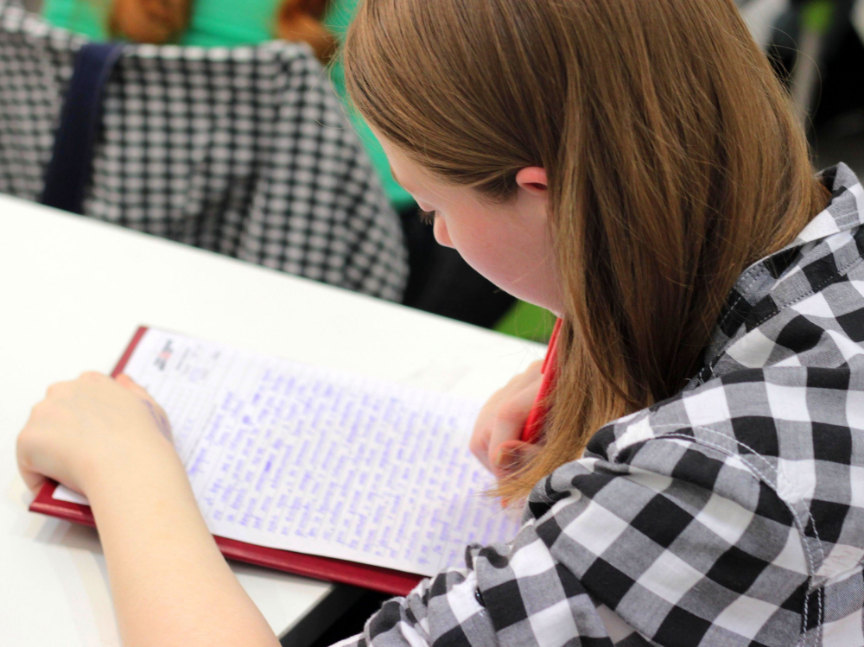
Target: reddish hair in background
673,155
161,21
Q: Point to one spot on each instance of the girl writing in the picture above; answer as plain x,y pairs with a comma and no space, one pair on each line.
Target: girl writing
635,168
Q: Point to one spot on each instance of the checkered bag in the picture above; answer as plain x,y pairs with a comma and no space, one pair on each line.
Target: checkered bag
241,151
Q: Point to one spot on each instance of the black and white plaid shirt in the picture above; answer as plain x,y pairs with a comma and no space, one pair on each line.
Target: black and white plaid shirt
243,151
731,514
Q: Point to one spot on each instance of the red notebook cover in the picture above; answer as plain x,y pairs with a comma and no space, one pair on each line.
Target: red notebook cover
322,568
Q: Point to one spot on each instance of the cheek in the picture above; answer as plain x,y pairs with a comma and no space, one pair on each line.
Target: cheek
512,260
482,247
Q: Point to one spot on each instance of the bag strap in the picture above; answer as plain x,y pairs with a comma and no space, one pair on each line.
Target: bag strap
71,165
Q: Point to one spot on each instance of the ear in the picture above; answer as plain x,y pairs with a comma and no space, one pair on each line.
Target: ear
533,179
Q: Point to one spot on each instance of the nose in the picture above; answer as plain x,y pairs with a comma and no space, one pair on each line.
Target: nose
442,236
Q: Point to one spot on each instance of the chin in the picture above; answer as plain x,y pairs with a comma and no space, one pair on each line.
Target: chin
527,297
540,302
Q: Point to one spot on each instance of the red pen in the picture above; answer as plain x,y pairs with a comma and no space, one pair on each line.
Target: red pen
537,417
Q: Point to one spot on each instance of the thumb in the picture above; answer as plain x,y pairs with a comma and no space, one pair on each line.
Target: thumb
131,385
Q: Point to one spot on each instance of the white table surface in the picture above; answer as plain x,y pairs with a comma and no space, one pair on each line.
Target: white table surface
72,293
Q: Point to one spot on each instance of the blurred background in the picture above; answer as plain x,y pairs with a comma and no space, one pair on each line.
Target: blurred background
816,47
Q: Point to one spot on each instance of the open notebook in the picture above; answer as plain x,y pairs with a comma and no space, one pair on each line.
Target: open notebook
314,471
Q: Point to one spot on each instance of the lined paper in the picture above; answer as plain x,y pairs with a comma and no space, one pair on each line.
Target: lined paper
313,460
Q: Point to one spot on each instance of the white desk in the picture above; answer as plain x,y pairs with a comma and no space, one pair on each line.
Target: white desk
72,292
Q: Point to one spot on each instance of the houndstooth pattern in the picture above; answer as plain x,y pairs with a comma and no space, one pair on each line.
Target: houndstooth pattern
241,151
731,514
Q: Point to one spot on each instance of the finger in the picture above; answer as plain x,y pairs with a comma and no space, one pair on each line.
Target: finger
131,385
33,480
31,477
513,454
534,371
59,390
480,443
510,421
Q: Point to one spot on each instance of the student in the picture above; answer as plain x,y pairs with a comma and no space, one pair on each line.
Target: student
634,167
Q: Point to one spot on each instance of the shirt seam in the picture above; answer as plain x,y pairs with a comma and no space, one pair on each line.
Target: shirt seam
841,272
757,472
800,527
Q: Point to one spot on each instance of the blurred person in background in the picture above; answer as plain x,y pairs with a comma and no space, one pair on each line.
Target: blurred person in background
228,23
440,281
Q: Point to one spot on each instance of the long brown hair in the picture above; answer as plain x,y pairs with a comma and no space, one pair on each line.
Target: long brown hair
161,21
673,157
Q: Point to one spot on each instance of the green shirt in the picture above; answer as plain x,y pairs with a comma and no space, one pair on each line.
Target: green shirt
229,23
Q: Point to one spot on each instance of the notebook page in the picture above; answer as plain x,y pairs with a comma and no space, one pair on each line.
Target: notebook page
313,460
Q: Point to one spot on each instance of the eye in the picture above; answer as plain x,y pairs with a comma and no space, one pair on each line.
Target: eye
427,217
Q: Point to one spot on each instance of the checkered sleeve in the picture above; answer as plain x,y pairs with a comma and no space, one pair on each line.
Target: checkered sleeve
512,595
669,541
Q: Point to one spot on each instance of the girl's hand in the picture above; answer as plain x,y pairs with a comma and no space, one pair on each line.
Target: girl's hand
170,584
496,438
90,426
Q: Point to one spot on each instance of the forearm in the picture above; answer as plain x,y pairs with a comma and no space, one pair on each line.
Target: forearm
171,585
